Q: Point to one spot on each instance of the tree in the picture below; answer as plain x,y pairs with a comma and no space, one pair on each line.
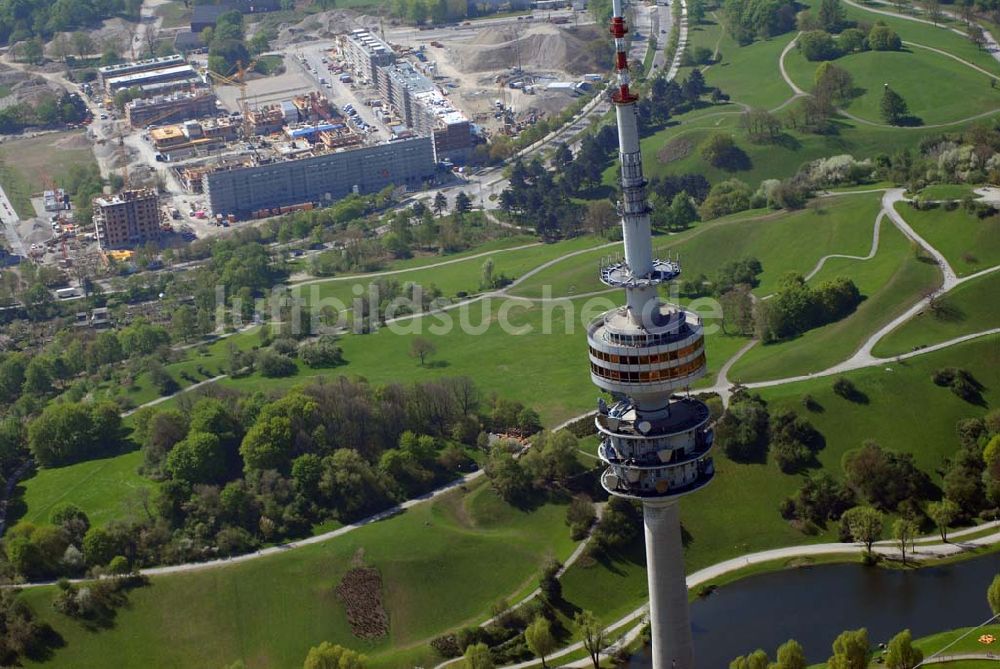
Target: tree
833,83
477,656
850,650
333,656
817,45
562,156
832,15
743,429
422,348
933,9
885,478
82,43
943,513
538,636
682,211
197,459
901,654
976,35
755,660
599,217
268,444
791,656
32,52
62,434
719,149
99,546
184,323
462,203
893,107
903,531
440,203
694,85
592,632
865,525
993,595
883,38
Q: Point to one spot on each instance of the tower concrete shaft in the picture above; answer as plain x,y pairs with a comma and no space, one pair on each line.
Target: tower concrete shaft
656,445
673,647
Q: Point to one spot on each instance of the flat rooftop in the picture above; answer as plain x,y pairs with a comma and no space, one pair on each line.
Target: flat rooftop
150,63
149,74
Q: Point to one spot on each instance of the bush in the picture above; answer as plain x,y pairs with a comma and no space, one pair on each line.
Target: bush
274,365
720,150
726,197
883,38
743,429
285,346
323,352
818,45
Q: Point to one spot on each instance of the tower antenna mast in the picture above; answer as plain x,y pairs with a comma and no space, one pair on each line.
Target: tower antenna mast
656,445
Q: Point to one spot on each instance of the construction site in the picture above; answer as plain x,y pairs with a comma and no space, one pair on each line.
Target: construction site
358,105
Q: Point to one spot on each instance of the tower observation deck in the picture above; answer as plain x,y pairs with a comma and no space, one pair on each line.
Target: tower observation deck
656,445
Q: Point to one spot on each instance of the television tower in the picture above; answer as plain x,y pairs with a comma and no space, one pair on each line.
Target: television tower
656,445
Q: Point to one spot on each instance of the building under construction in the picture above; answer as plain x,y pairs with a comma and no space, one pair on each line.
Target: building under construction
365,54
305,169
155,76
422,107
128,219
171,108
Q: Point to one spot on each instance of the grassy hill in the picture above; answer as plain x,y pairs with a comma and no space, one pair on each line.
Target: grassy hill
970,308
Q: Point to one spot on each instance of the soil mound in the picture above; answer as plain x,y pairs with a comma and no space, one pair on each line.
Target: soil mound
542,47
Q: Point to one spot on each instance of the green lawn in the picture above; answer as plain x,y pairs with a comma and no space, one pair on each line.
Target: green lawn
539,359
928,35
969,243
30,165
946,191
970,644
464,276
782,241
198,363
972,307
749,74
106,489
890,282
738,511
958,91
268,612
442,564
767,160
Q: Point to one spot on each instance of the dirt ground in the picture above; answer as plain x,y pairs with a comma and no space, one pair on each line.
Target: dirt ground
267,90
470,62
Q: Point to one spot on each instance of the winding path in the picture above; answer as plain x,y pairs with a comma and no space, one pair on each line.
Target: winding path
864,357
797,92
991,43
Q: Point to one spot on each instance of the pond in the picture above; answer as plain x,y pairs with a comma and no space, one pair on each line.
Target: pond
815,604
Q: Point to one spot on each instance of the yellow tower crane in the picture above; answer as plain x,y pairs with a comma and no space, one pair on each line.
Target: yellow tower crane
239,79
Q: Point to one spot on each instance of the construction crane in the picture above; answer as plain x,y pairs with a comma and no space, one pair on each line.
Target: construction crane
239,79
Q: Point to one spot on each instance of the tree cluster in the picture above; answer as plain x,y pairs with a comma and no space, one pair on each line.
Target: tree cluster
748,20
28,18
797,307
549,461
49,111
